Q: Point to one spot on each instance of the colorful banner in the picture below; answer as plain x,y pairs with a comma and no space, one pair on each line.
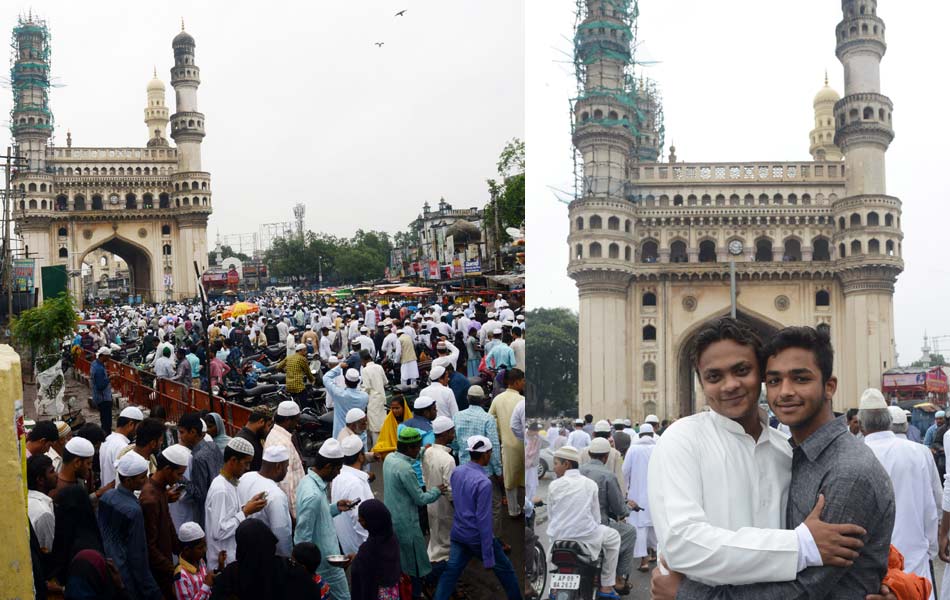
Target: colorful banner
24,270
937,381
456,268
416,267
904,379
473,267
433,269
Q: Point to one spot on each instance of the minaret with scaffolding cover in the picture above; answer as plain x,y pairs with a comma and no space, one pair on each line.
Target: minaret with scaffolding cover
31,121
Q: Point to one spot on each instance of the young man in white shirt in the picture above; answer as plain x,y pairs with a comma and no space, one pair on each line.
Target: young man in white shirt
41,480
223,508
276,514
122,435
352,483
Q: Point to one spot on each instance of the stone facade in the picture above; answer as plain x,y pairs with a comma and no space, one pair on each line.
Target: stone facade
149,205
813,243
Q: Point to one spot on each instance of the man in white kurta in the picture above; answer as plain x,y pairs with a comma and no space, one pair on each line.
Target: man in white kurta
277,512
705,528
578,438
223,508
374,384
574,514
635,467
445,403
452,356
917,494
281,434
352,483
437,468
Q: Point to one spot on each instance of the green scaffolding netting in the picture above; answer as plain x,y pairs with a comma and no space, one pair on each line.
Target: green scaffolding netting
611,123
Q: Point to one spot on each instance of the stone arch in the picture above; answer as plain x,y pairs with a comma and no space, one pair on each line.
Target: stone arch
649,371
856,247
889,247
842,250
136,257
578,251
855,220
579,224
820,249
648,299
763,250
627,226
648,334
649,251
874,246
595,222
888,220
707,251
686,381
678,251
873,219
79,202
130,201
595,250
627,253
613,224
613,250
822,298
792,251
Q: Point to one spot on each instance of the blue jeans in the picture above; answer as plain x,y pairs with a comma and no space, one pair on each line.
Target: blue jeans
459,556
105,416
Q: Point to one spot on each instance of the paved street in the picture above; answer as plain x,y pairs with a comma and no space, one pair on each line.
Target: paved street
639,581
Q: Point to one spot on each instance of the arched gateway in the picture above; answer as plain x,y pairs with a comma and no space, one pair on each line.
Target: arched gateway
149,205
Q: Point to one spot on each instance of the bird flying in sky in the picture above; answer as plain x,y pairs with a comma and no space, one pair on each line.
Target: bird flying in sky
379,44
402,12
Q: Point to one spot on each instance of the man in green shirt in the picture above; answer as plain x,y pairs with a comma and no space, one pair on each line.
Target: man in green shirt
403,497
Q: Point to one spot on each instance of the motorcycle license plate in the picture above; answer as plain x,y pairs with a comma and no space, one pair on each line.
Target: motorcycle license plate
560,581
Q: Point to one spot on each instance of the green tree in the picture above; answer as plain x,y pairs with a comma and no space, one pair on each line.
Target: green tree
227,252
552,361
43,329
510,193
936,360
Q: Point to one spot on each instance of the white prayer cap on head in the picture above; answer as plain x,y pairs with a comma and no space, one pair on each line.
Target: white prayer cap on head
578,421
132,464
626,422
190,531
940,415
567,453
364,329
646,428
288,408
423,402
872,399
352,445
354,414
492,315
276,454
478,443
334,360
436,372
442,424
652,419
132,412
331,449
352,375
300,347
497,331
476,391
204,426
441,345
897,415
618,422
599,446
520,317
80,447
239,444
601,426
177,454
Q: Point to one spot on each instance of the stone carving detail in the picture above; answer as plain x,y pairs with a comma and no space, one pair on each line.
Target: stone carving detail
143,232
87,234
690,303
782,302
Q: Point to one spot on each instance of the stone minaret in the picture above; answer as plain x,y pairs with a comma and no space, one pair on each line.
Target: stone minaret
601,252
822,137
156,113
867,233
31,121
188,125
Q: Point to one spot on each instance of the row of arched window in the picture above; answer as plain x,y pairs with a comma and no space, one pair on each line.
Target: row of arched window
121,171
194,185
872,220
874,247
733,200
596,222
131,202
649,251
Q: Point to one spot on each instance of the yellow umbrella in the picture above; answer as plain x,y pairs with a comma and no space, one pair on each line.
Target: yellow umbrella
239,309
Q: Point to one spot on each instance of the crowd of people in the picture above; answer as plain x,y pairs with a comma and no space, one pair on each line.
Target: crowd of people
147,508
742,500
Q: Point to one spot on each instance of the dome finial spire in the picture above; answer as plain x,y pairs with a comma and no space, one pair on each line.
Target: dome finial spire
826,76
183,23
154,71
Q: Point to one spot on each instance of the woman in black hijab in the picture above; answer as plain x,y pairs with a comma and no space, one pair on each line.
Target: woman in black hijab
91,578
76,528
258,573
376,569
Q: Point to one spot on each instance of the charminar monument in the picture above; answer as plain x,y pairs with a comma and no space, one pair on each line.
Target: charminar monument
651,242
149,205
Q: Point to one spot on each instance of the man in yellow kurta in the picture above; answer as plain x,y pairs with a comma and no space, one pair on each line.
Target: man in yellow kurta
512,446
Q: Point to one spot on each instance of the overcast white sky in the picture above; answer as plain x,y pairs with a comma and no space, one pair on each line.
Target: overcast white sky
738,78
300,105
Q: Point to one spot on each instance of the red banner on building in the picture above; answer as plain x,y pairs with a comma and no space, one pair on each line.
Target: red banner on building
433,269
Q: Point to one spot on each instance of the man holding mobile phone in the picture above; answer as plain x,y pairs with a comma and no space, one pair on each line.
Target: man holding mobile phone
276,513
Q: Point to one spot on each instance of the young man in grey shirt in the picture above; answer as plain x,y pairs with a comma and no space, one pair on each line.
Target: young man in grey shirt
826,461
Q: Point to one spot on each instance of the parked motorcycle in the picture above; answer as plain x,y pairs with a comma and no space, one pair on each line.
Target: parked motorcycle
313,428
575,576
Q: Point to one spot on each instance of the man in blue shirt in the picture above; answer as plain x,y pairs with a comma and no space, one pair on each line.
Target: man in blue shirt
123,529
102,389
472,534
939,420
344,398
475,420
459,385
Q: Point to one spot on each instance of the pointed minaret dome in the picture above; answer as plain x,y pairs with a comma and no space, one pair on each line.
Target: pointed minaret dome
822,137
156,113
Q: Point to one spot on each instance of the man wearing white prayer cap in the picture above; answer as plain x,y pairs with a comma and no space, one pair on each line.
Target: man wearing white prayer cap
315,514
224,510
940,417
437,468
76,464
918,494
56,449
344,397
123,527
445,403
276,514
281,434
352,483
159,528
120,438
355,425
635,473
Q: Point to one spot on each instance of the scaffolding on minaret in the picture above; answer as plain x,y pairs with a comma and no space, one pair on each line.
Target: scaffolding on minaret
29,76
299,211
616,39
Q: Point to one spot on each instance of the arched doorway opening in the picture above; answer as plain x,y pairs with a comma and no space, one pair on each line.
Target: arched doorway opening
687,382
116,269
